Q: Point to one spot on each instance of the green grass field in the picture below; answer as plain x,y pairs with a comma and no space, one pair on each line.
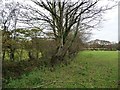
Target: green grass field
90,69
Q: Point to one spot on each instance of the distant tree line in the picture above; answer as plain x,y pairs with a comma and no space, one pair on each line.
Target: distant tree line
102,45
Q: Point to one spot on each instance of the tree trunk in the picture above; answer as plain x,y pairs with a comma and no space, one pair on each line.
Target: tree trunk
21,54
30,54
3,56
12,54
37,55
58,56
61,51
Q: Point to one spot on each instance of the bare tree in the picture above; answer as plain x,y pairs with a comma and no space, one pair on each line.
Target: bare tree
63,17
8,21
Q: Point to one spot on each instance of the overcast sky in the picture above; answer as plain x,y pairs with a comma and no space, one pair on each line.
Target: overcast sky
109,28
